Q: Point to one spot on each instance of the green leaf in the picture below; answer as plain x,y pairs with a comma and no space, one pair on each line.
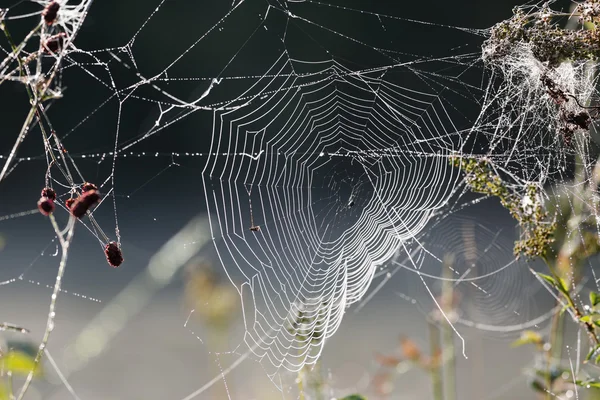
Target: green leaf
592,351
586,319
25,347
589,26
19,363
528,337
588,384
354,397
538,386
591,319
548,279
594,299
562,286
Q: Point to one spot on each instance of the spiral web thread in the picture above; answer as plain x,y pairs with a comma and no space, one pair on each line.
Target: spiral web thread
337,167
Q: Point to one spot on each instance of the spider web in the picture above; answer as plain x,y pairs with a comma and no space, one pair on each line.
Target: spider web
324,156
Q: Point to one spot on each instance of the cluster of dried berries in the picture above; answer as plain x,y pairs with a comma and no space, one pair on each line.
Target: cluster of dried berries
589,11
78,208
113,253
84,202
46,202
549,43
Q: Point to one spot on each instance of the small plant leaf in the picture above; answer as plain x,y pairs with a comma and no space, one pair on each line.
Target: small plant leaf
594,299
586,319
562,286
528,337
354,397
538,386
548,279
19,363
588,384
591,353
589,26
591,319
25,347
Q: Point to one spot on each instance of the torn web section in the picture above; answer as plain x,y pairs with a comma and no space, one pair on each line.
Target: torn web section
523,126
315,183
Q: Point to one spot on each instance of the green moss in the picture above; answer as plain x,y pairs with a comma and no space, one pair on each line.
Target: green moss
537,228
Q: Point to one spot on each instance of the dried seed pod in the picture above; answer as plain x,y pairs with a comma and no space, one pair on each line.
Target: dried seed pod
84,203
69,203
113,253
49,193
51,12
86,187
46,206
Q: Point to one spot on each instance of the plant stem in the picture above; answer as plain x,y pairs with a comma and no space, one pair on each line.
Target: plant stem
557,335
57,285
9,385
448,334
554,353
300,381
436,371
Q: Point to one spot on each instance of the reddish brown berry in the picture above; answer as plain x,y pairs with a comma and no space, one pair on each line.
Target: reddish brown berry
69,203
46,206
114,255
84,203
49,193
50,12
86,187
